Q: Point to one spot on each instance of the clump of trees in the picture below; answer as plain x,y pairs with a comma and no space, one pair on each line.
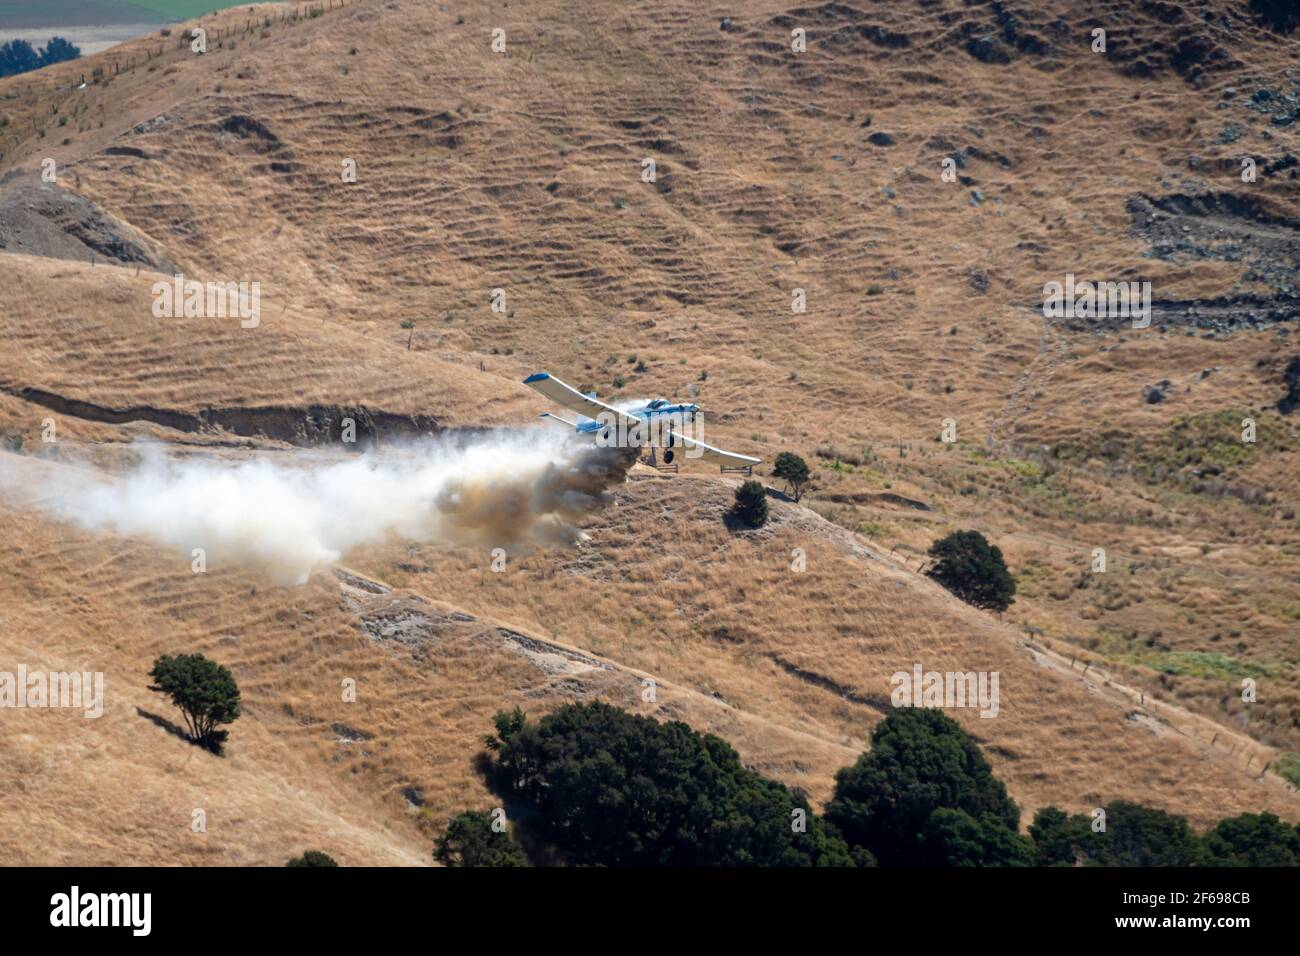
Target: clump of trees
312,858
925,796
1252,839
973,569
750,508
612,788
19,56
793,470
471,840
599,786
1133,835
205,692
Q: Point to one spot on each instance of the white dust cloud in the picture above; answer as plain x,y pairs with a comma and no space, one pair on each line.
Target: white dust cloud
289,513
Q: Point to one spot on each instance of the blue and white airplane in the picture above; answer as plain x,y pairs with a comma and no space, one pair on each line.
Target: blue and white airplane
657,424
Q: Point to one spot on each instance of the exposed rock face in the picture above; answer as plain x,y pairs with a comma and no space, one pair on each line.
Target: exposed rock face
44,219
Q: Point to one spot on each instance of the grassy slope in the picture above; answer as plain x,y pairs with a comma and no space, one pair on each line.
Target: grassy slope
479,171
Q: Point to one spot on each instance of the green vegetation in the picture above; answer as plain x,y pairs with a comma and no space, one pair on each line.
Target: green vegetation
1208,664
1134,835
971,568
874,529
751,504
1202,453
312,858
471,840
615,789
204,691
925,796
598,786
1030,471
1288,768
1252,839
793,470
1057,835
18,56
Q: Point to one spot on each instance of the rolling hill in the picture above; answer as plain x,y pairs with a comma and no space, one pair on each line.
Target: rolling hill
775,171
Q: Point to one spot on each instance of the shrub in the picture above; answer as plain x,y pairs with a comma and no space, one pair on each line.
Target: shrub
204,691
971,568
751,504
312,858
1287,765
618,789
955,838
470,840
1059,839
793,470
1252,839
18,56
58,50
1135,835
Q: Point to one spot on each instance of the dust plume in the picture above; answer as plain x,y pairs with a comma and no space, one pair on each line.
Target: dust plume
287,515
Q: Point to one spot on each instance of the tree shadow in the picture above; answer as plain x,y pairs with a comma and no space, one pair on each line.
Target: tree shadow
735,523
523,816
177,731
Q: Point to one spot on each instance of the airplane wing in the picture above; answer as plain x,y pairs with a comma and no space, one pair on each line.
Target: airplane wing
569,397
715,456
572,399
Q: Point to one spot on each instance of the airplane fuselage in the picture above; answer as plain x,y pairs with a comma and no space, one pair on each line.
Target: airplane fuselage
658,412
654,424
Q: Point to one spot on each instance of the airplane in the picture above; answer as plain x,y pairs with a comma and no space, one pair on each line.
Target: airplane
638,424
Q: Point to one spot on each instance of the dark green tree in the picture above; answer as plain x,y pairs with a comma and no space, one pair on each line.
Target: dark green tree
861,856
204,691
617,789
751,504
312,858
18,56
58,50
971,568
793,470
469,840
1134,835
1252,839
955,838
1059,838
920,761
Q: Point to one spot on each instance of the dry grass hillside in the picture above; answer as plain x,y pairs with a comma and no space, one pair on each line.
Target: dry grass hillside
775,171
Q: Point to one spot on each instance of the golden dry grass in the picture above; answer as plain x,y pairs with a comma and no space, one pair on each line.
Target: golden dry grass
521,171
